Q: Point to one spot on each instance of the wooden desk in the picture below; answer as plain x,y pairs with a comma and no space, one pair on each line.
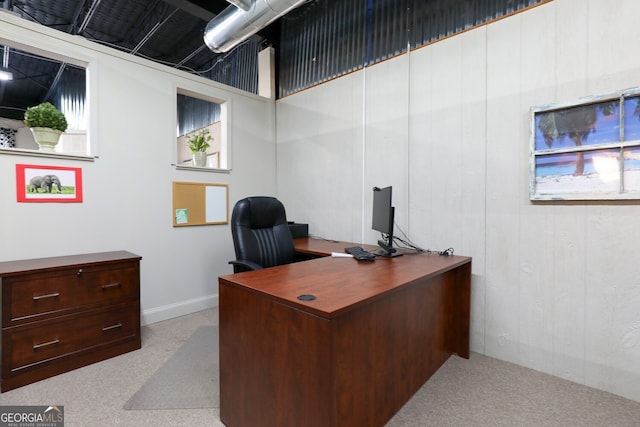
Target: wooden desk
322,247
353,356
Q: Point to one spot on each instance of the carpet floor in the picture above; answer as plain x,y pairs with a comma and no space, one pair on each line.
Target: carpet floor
180,383
478,392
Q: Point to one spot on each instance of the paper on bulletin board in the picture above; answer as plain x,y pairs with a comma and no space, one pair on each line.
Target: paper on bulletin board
215,210
182,216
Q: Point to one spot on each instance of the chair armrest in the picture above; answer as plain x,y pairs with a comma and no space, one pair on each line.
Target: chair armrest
244,265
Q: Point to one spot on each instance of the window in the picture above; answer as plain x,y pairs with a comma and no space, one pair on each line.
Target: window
197,113
587,150
36,78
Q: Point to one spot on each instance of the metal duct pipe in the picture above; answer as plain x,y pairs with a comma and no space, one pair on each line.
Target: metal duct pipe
242,4
233,25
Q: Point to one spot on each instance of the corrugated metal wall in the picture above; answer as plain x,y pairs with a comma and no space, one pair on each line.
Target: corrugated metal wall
329,38
68,93
239,68
195,113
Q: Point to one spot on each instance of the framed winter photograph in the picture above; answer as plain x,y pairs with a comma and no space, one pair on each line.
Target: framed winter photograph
587,150
59,184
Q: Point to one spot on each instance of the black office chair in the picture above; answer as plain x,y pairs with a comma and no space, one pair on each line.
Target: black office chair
261,235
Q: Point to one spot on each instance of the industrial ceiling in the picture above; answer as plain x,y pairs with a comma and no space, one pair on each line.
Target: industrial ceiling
166,31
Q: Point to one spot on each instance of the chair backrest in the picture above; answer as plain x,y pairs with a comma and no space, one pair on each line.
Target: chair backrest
260,231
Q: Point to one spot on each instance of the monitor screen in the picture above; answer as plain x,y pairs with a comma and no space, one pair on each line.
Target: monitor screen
381,220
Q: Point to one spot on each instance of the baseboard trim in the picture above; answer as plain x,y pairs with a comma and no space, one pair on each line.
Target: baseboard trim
181,308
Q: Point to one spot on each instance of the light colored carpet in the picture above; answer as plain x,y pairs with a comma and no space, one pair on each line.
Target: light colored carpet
188,380
478,392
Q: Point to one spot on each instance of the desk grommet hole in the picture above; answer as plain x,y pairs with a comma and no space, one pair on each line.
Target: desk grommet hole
306,297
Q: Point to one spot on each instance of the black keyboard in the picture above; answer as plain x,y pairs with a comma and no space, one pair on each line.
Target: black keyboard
360,253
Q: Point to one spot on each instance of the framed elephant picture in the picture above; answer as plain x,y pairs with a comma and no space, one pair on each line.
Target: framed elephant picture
59,184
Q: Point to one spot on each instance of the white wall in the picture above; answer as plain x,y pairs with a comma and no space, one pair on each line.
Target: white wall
556,286
128,189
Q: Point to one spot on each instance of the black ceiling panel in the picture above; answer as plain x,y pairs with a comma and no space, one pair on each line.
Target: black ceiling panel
166,31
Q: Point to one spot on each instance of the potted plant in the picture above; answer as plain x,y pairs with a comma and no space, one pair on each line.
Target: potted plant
199,144
46,123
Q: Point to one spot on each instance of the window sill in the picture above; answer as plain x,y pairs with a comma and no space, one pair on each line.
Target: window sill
201,169
35,153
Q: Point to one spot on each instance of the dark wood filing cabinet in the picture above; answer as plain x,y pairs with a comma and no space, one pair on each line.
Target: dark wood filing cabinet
62,313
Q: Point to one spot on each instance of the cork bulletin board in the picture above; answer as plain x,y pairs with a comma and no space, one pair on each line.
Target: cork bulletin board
200,203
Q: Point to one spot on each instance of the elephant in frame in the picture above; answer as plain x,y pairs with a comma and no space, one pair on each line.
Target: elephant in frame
47,183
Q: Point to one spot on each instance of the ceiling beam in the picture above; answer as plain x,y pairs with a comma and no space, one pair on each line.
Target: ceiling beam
151,32
192,9
88,16
73,26
55,82
188,57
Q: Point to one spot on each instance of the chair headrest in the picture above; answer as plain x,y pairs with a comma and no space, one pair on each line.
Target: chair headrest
259,212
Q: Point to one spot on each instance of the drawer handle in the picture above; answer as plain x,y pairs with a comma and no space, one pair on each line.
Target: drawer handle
44,344
111,285
108,328
53,295
79,273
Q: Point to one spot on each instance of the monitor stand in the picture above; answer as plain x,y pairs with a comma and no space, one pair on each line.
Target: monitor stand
386,250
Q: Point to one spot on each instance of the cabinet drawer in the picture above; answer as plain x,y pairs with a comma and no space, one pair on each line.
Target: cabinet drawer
30,345
35,295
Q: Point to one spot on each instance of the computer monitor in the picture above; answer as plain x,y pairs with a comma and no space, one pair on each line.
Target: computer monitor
382,221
